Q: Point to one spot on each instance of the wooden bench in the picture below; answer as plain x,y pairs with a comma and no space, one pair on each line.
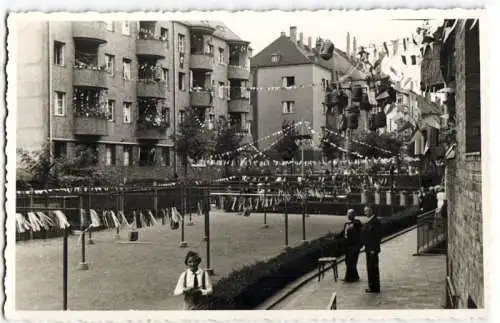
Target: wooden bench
323,262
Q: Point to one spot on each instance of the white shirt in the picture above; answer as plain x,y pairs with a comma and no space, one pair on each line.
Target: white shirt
179,289
441,197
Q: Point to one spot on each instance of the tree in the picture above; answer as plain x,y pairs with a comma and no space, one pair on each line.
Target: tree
38,165
194,140
328,146
287,148
228,140
377,145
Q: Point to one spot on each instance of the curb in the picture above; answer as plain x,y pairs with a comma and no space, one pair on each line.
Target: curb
296,285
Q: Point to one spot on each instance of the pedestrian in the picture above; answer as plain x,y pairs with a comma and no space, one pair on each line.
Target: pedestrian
352,235
194,283
372,235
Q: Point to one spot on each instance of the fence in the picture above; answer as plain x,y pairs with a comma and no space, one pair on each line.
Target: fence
37,214
431,233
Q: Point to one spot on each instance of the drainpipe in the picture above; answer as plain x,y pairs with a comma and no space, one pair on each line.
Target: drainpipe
173,96
50,94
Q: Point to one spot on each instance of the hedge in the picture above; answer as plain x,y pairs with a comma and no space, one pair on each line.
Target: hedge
246,288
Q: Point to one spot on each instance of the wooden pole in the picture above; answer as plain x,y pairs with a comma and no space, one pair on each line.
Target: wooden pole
209,270
183,243
83,263
90,241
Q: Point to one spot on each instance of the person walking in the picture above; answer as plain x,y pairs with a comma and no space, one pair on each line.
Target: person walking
352,235
372,236
194,283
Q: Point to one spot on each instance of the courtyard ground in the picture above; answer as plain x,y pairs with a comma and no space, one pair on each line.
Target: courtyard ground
142,276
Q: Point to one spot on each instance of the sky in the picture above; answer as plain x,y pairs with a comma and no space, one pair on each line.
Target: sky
262,28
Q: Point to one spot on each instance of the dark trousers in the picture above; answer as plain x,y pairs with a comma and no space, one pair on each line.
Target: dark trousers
351,264
373,271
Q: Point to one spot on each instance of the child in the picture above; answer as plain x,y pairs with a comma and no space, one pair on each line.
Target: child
194,283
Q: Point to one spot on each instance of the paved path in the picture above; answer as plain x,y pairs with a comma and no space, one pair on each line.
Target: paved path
407,282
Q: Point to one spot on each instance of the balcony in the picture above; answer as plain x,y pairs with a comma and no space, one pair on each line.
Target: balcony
91,126
89,76
90,30
239,105
237,72
202,61
153,133
151,47
201,98
151,89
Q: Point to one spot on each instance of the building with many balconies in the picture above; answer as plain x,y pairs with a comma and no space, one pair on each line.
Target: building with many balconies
120,87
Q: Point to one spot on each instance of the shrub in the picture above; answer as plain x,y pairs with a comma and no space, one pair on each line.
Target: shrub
249,286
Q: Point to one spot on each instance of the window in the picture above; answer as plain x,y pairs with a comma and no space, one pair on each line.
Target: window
221,90
165,76
127,67
111,110
60,149
164,35
127,112
288,81
403,59
324,108
110,155
127,155
182,116
221,55
210,50
58,53
472,89
288,107
147,155
182,43
126,28
110,63
60,104
109,25
165,156
275,58
413,60
182,81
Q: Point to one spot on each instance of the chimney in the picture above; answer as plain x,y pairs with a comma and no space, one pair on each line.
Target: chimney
283,34
319,42
293,33
301,39
354,46
309,42
348,47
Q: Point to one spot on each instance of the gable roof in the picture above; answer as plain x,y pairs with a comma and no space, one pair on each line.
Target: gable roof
221,30
292,54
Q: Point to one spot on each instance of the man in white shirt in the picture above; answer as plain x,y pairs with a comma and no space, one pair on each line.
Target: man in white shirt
194,283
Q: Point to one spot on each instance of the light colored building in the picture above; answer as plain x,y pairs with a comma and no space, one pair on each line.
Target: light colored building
290,80
120,87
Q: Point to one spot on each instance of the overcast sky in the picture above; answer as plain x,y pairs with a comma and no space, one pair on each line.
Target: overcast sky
263,28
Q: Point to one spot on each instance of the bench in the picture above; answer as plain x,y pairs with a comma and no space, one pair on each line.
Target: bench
323,262
332,304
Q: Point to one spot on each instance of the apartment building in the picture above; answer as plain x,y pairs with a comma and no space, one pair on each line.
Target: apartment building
290,80
121,87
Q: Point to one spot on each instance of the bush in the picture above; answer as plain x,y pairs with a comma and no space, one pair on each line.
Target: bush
251,285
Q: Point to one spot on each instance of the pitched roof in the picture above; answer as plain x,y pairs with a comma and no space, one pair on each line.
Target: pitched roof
221,30
292,54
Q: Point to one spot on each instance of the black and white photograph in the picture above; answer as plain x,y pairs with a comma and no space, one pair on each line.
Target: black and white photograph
266,161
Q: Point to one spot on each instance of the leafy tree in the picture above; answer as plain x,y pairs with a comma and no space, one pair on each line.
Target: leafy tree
375,144
194,141
38,165
286,148
228,140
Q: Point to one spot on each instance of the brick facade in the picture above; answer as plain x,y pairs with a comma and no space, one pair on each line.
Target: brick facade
463,179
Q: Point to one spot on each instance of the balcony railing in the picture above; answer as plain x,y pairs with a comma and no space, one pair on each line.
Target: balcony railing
151,46
201,97
200,60
90,75
151,88
90,124
239,104
238,72
91,30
